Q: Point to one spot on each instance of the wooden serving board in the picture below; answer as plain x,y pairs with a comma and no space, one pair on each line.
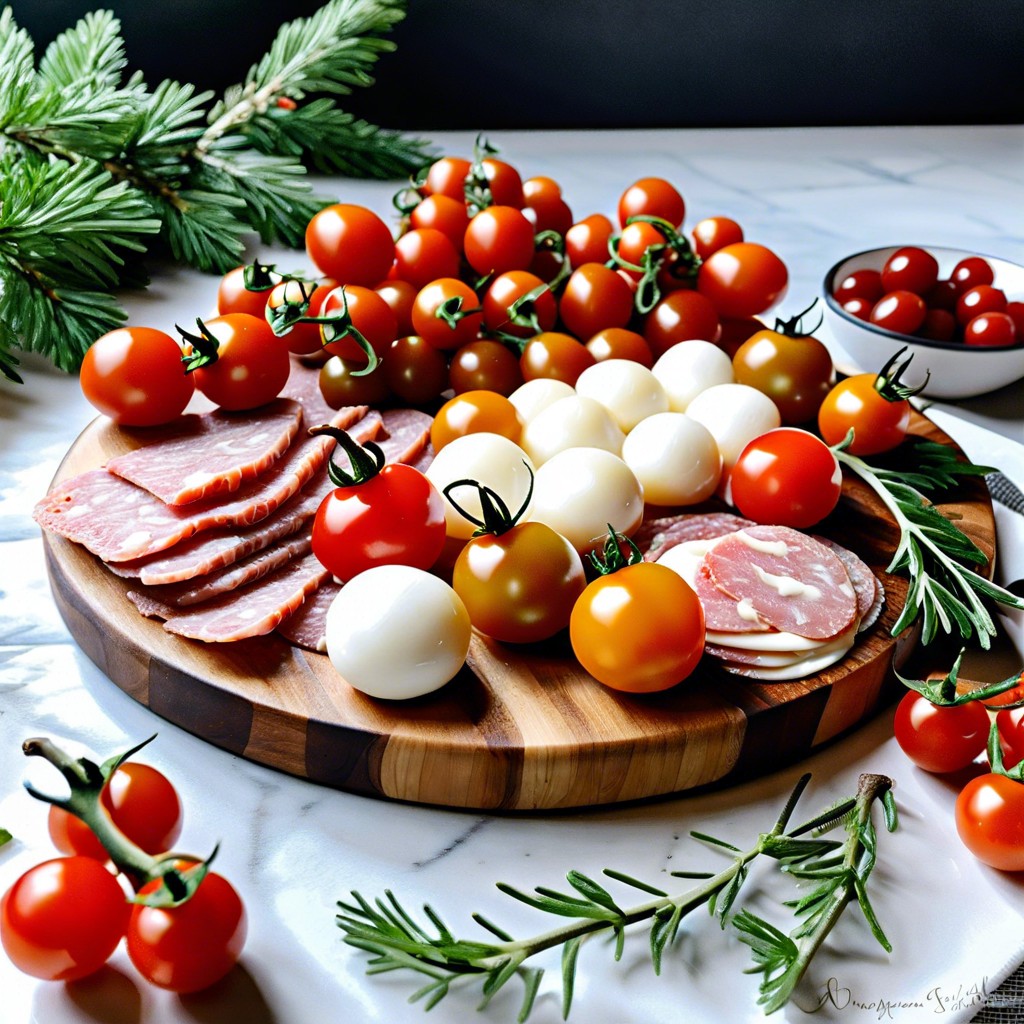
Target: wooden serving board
517,729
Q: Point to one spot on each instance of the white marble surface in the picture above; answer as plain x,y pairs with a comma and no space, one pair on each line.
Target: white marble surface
293,848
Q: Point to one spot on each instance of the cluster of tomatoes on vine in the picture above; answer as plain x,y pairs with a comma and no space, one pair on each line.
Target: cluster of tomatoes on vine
946,728
184,925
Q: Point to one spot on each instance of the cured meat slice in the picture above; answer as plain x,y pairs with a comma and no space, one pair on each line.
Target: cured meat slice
118,521
656,536
307,627
201,455
304,387
868,588
792,581
406,434
255,610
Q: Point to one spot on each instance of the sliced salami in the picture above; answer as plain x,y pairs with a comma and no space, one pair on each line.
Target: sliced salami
867,586
202,455
792,581
307,627
656,536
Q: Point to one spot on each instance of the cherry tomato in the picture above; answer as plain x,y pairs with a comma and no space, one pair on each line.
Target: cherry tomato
439,332
900,311
251,363
939,325
943,295
484,365
423,255
910,269
475,412
415,370
990,329
302,339
619,343
1015,311
680,316
400,296
135,376
504,182
940,739
595,297
507,289
587,240
368,313
634,241
736,330
350,244
638,630
794,371
342,382
447,177
653,197
981,299
555,356
714,233
549,213
444,214
189,947
786,477
990,821
743,279
1010,723
62,919
234,297
141,802
855,404
390,515
541,187
970,272
859,284
860,308
519,586
497,239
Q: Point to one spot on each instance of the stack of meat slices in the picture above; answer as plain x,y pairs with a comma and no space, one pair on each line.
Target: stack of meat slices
211,515
778,604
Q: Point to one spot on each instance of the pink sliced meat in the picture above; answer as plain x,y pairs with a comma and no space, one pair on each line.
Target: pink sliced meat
406,434
307,627
869,590
254,610
721,611
118,521
202,455
304,387
656,536
792,581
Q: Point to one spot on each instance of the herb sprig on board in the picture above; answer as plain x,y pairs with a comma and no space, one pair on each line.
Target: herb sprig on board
96,167
397,941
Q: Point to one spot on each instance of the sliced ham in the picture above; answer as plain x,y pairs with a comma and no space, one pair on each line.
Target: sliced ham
867,586
656,536
406,434
202,455
307,627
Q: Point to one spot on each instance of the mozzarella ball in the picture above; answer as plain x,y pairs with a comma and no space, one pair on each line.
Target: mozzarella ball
687,369
572,422
396,632
674,457
489,459
536,395
629,391
580,491
735,414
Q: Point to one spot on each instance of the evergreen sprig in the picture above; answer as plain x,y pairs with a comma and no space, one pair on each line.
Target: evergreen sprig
97,168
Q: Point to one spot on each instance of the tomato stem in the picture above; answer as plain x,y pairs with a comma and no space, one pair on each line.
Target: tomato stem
496,517
612,557
366,460
339,325
888,383
205,347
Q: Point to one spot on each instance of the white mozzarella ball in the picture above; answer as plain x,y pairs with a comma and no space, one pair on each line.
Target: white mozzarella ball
687,369
397,632
536,395
629,391
580,491
572,422
489,459
735,414
674,457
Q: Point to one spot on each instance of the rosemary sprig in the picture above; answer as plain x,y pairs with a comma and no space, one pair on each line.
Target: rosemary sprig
932,549
397,941
839,877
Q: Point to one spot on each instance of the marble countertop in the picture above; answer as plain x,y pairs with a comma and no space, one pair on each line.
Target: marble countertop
293,849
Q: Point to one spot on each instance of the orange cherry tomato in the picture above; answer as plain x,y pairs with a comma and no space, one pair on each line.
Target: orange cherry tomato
475,412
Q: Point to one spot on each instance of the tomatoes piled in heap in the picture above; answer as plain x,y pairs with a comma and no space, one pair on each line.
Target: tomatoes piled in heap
908,297
63,918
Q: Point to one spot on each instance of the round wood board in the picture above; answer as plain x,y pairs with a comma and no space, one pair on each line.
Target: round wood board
517,729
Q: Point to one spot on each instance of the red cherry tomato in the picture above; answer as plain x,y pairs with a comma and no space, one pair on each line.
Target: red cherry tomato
549,213
910,269
860,308
234,297
507,289
189,947
743,279
350,244
443,213
302,339
343,382
423,255
652,197
447,177
504,182
943,295
1015,311
400,296
554,355
135,376
859,284
619,343
991,330
368,313
900,311
634,241
981,299
1010,723
475,412
940,739
681,316
141,802
587,240
595,297
484,365
638,630
415,370
714,233
990,821
939,325
855,404
447,333
497,239
541,187
786,477
62,919
970,272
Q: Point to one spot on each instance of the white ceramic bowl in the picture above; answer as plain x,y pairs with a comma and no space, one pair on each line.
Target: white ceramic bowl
957,370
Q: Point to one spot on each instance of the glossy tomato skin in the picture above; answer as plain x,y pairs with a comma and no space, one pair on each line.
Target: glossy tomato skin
400,296
423,255
302,339
620,343
234,297
437,331
484,365
910,269
141,802
981,299
971,272
743,279
497,239
192,946
443,213
370,315
394,518
652,197
587,240
447,177
508,288
475,412
854,403
638,631
901,311
990,821
555,356
990,330
794,372
415,370
350,244
714,233
681,316
595,297
342,383
786,477
940,739
859,284
520,586
62,919
135,376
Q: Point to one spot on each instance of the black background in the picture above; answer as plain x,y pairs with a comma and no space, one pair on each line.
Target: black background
485,64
